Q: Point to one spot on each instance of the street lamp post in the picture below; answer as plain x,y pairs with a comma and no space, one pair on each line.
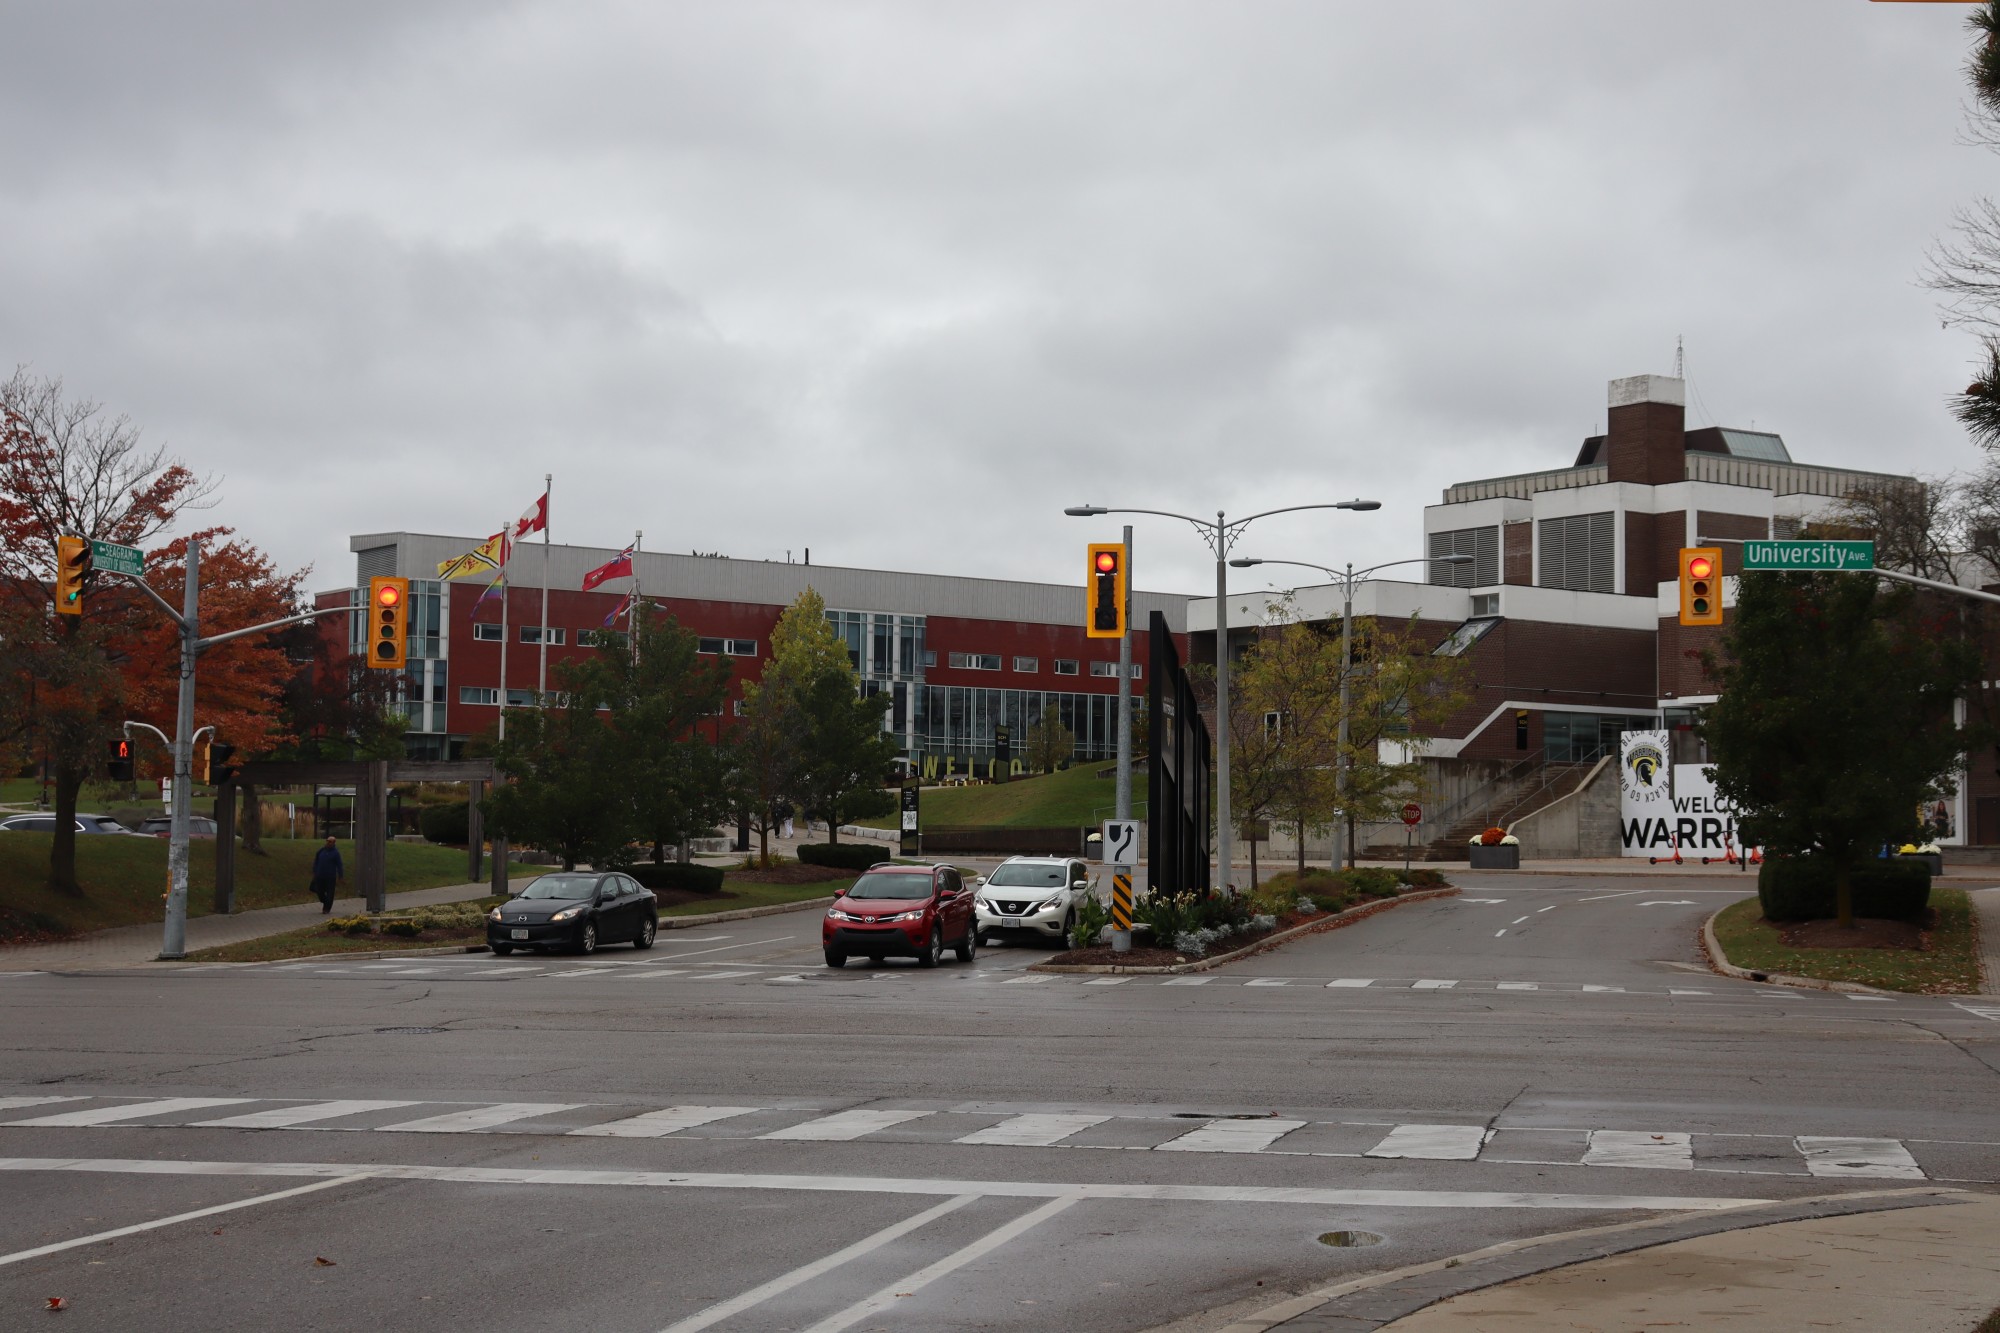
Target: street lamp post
1347,582
1221,535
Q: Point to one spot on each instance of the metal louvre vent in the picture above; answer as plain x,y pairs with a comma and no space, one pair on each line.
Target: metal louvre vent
1482,544
1577,553
375,562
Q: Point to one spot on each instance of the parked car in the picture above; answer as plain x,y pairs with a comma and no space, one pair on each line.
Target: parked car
575,910
1032,896
47,824
901,912
162,826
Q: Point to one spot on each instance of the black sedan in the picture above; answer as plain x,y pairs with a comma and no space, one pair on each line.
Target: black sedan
575,910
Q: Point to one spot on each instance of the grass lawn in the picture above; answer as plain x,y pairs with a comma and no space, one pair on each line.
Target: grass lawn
125,879
1074,798
1949,967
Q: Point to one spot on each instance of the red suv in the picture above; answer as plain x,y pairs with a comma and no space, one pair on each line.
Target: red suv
902,912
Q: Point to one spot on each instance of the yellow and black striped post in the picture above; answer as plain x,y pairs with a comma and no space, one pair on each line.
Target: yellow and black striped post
1121,899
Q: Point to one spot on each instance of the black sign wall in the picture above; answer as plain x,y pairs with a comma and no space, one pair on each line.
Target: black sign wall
1177,773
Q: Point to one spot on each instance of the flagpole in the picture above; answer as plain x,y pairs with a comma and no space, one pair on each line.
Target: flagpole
542,678
506,553
632,612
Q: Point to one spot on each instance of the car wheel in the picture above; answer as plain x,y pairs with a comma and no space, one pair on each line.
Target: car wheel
835,959
647,929
1069,930
968,948
985,941
586,939
503,949
933,952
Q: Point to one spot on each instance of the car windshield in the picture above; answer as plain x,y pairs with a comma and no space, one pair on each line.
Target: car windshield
561,886
1029,877
891,886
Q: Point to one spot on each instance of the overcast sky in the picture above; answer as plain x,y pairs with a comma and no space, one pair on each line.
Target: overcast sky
898,281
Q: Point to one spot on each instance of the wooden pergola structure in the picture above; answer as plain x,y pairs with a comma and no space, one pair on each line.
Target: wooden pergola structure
370,779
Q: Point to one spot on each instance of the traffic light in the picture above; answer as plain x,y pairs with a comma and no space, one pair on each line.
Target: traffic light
388,622
1104,582
72,569
220,770
1701,585
198,764
118,767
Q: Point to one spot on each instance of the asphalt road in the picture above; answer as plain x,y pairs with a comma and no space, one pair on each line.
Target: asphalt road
722,1133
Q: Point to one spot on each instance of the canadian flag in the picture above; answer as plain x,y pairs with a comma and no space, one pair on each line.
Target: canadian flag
617,567
535,518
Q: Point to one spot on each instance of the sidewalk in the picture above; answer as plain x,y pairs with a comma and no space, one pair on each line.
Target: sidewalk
1986,914
135,946
1916,1270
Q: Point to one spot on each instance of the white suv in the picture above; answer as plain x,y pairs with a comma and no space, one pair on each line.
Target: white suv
1035,895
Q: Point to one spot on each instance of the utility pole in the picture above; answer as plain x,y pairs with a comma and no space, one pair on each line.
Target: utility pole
1123,796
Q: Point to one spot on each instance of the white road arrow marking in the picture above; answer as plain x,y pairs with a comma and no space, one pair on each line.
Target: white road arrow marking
1668,902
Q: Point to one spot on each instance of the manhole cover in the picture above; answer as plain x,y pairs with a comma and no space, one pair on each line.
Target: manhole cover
405,1031
1347,1240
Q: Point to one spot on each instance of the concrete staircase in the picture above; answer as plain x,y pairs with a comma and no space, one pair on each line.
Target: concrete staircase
1513,796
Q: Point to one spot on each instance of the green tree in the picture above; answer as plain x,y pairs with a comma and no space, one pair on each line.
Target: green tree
567,789
840,756
1048,743
1400,693
1284,732
1836,714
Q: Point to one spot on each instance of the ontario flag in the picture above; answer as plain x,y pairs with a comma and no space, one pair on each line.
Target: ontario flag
535,518
617,567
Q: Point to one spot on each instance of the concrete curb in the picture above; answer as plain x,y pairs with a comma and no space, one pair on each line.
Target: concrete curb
1719,963
1333,922
1571,1247
742,914
370,956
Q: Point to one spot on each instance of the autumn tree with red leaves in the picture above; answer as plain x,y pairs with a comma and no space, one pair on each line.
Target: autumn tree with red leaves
67,683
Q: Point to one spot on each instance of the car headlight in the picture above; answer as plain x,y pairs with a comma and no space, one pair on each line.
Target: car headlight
917,915
839,915
494,915
567,913
1045,906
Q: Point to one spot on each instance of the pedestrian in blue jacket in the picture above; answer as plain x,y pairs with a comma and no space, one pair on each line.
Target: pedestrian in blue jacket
327,869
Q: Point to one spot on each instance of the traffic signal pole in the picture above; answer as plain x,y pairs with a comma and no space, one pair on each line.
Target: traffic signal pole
1123,794
173,941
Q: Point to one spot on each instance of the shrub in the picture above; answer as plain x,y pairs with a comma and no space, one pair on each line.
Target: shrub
842,855
673,875
1422,878
350,925
1802,889
407,927
1372,881
1166,915
1091,919
446,824
1222,911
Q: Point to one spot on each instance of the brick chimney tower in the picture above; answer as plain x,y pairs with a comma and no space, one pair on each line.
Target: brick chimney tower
1645,431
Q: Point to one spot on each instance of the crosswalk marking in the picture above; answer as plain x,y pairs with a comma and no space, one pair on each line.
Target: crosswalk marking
1878,999
1445,1143
1351,981
1991,1011
1433,985
718,976
585,972
1519,985
411,972
1107,981
1672,991
1187,981
284,1117
842,1125
480,1117
1040,1130
1604,988
12,1103
1267,981
1232,1136
106,1115
1026,981
1622,1147
656,972
1877,1158
503,972
659,1124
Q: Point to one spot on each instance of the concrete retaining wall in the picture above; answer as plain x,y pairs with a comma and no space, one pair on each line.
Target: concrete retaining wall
1582,824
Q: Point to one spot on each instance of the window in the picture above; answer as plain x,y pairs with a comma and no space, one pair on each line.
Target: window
1027,666
1066,666
533,634
1486,604
930,657
477,694
486,633
602,638
1138,671
520,698
738,709
740,647
437,682
1576,553
1104,668
1482,544
1274,726
975,661
712,647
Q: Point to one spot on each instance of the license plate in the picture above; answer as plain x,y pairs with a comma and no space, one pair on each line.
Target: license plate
1010,922
520,934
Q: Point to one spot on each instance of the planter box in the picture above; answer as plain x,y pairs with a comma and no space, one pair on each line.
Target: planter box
1935,860
1495,858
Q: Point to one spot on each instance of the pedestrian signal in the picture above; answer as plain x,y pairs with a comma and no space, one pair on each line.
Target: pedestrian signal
220,770
72,570
1105,592
388,622
118,767
1701,585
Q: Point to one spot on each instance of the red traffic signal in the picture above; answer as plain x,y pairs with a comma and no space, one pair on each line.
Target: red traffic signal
388,634
1701,585
118,766
1104,592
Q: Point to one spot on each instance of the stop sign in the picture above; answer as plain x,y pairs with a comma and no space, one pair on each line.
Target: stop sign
1413,813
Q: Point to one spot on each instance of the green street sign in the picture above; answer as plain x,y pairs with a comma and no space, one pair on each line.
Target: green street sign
1808,555
117,559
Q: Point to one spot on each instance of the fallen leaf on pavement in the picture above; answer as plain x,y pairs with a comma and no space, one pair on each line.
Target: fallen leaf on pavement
321,1261
56,1303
